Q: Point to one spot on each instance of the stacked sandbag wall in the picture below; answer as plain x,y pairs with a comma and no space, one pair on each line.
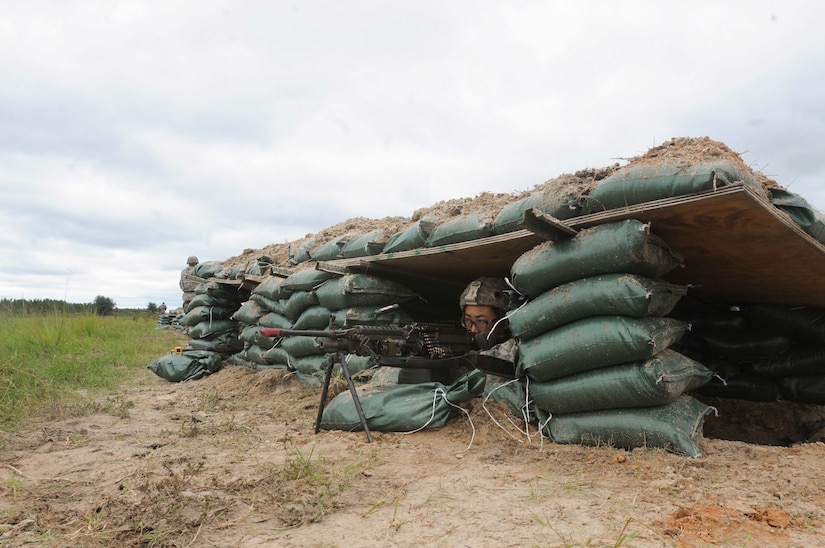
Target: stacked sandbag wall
595,340
760,352
309,300
208,318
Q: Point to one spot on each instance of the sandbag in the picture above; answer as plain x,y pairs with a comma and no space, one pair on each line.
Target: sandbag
676,427
273,319
636,184
656,381
269,305
460,229
187,366
328,251
412,237
743,387
361,290
561,206
802,323
207,300
251,334
314,317
801,359
402,407
209,269
591,343
619,247
800,211
298,302
606,295
297,254
249,313
270,288
198,314
300,346
210,329
371,243
806,389
365,315
277,355
736,343
306,280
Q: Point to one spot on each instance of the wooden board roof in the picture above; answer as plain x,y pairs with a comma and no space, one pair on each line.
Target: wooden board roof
737,248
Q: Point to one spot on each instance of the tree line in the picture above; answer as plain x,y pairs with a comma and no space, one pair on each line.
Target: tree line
102,306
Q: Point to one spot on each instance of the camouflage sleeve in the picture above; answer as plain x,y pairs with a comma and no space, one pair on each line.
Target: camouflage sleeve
508,350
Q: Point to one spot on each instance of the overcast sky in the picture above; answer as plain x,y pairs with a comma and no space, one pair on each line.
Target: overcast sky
136,133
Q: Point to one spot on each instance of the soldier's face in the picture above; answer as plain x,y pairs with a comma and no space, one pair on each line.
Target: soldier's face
479,319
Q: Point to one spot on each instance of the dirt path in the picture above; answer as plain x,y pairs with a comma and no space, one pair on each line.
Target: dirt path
231,460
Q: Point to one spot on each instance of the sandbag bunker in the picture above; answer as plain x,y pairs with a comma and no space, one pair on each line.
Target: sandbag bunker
610,350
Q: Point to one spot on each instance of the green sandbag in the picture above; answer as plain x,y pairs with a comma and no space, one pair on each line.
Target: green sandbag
249,313
269,305
807,389
198,314
255,354
402,407
210,329
365,315
297,254
560,206
371,243
270,288
209,269
803,323
596,342
207,300
656,381
743,387
737,343
300,346
606,295
509,392
314,317
801,359
411,237
328,251
298,302
311,365
638,184
676,427
273,319
251,334
361,290
187,366
460,229
306,280
800,211
277,355
619,247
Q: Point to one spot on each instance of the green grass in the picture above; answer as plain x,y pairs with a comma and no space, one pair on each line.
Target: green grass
47,360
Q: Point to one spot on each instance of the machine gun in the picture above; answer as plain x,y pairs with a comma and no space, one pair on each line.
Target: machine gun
419,346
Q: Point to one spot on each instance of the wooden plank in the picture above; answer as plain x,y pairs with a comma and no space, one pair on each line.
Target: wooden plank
737,247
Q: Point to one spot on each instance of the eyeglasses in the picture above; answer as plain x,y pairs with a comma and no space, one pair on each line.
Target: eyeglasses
481,325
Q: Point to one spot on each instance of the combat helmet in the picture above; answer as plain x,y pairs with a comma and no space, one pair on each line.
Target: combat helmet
486,291
192,260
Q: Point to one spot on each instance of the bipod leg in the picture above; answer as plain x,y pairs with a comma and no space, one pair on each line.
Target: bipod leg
355,399
324,393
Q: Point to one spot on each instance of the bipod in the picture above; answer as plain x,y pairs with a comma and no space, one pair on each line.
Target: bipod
339,357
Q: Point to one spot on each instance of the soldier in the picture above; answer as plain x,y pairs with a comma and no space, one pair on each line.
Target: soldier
484,304
162,308
188,281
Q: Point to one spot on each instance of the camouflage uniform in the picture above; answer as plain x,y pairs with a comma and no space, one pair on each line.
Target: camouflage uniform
188,281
